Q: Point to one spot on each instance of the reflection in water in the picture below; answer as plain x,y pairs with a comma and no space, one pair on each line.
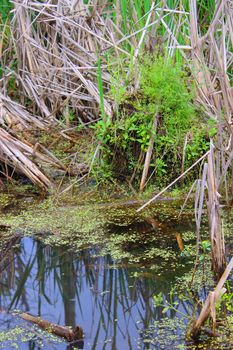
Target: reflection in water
109,302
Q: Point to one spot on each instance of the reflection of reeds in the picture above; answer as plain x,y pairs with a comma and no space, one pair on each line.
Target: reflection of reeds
7,265
118,299
23,273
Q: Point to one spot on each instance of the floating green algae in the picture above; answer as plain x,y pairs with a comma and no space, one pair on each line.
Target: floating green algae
12,338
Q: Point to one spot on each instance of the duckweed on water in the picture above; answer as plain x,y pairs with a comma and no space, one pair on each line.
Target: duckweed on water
14,336
188,236
105,226
203,277
164,334
5,199
110,230
85,226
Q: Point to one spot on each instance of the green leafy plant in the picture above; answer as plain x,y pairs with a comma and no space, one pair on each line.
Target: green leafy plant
172,304
205,250
227,298
164,93
100,87
5,7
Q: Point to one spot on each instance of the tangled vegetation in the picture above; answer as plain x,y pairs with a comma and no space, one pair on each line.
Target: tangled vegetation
162,109
138,83
138,92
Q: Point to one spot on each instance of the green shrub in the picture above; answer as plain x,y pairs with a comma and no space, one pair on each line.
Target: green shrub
166,93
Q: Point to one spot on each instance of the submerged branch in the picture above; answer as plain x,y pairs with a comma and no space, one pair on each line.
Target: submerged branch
70,334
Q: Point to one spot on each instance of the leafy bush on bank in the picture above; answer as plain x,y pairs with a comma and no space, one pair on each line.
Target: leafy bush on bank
165,93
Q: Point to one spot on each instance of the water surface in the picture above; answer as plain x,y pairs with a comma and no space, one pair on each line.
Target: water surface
112,302
103,281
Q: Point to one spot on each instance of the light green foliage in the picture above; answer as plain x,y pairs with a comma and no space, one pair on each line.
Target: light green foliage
68,117
206,10
124,13
227,298
198,144
205,250
166,94
189,251
205,246
165,89
173,303
100,87
5,7
5,37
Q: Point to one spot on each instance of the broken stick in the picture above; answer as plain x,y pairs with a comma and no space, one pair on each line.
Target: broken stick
209,306
68,333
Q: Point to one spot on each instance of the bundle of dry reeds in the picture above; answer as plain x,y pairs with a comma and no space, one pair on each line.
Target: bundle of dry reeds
60,49
16,154
14,116
58,45
15,149
212,60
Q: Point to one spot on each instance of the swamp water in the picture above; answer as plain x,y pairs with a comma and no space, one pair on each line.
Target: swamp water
105,283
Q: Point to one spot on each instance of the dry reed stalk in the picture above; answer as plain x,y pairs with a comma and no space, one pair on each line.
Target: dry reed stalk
149,154
209,306
173,182
212,62
58,46
215,227
16,154
21,155
210,183
15,117
59,43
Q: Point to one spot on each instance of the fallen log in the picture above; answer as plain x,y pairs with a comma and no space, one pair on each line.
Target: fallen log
209,306
70,334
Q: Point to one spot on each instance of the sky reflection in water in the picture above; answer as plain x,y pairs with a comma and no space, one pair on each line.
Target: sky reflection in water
112,305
